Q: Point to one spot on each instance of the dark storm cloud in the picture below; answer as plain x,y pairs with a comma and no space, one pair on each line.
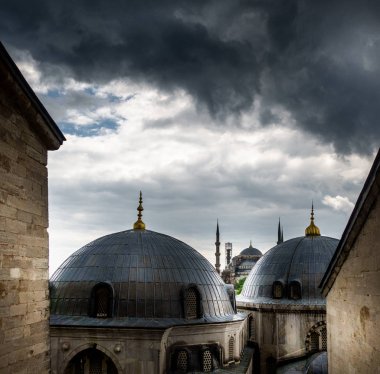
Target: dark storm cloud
318,60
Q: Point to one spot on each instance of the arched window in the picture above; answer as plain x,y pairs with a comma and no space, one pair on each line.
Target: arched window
206,361
192,303
101,301
278,290
295,290
182,361
316,339
231,349
91,361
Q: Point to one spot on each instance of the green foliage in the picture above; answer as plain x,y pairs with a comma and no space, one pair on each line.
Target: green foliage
239,285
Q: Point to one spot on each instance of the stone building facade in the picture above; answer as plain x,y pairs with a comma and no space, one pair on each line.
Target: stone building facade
27,132
352,287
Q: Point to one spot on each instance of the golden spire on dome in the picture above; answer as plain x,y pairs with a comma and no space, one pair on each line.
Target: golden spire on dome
139,224
312,230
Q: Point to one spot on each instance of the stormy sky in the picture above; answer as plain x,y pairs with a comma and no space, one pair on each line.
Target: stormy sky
239,110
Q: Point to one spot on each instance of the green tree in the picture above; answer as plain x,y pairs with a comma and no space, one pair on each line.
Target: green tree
239,285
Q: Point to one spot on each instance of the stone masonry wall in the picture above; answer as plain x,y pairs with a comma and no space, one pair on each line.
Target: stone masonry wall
24,329
353,306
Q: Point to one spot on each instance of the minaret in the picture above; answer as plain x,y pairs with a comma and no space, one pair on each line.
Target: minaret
217,246
280,233
312,230
139,224
228,253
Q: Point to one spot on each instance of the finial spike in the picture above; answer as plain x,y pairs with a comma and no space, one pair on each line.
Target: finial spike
250,243
139,224
217,247
279,236
312,230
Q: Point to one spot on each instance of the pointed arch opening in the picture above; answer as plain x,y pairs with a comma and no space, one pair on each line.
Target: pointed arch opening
231,349
316,339
295,291
192,303
91,361
278,290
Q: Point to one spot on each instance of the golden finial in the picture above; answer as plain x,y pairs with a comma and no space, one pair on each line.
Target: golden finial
139,224
312,230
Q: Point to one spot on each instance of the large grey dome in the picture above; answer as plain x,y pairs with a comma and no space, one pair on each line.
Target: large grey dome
290,272
147,271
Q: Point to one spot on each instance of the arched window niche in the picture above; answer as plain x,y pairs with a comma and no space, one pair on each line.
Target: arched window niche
192,305
316,339
278,290
207,364
231,349
251,328
295,290
182,360
101,301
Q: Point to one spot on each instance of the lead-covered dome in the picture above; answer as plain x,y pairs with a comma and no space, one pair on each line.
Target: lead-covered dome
250,251
150,277
290,272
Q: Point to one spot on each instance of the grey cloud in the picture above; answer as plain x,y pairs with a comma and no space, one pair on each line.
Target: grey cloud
318,60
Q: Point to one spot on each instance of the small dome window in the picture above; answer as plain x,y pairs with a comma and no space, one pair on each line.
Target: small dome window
295,290
101,301
278,290
192,303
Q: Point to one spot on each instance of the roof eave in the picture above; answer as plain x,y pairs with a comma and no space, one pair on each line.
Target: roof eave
48,129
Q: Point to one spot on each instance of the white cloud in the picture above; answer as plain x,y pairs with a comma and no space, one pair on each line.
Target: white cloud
191,168
339,203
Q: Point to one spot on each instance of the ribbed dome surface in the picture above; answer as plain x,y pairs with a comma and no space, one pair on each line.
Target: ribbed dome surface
303,259
147,271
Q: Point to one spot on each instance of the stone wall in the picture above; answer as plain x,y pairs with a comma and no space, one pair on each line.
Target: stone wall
282,334
353,305
24,305
144,350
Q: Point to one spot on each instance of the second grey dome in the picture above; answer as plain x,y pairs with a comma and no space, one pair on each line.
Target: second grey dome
301,261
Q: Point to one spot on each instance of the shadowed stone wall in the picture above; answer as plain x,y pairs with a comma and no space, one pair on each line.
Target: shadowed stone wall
353,305
24,305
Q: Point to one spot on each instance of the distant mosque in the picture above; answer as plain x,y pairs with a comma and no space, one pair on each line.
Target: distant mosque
240,266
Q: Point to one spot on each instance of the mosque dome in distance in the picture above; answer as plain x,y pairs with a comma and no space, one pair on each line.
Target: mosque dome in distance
251,251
